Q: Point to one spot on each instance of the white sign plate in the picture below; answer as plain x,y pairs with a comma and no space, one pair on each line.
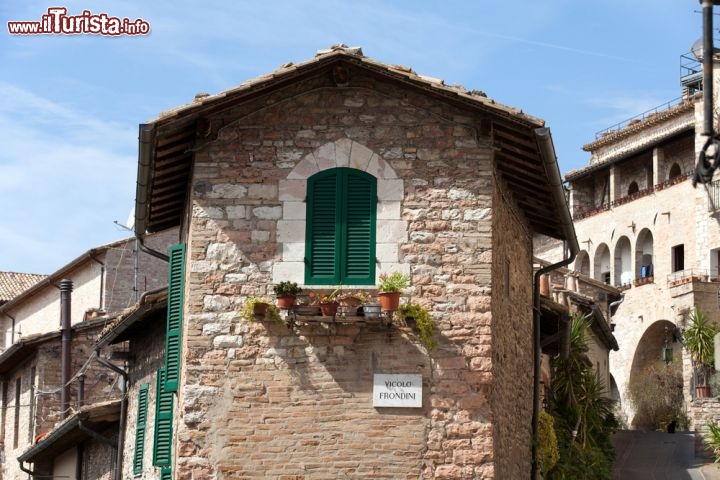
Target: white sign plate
401,390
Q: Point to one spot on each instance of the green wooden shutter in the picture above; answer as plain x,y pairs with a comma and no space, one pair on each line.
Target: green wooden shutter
360,204
142,409
322,238
340,235
176,287
166,473
163,423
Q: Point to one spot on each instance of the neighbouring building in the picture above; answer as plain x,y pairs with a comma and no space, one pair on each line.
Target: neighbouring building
147,415
331,172
31,405
644,228
565,294
65,422
106,279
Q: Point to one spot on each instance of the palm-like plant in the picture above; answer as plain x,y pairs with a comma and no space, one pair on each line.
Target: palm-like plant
699,341
582,411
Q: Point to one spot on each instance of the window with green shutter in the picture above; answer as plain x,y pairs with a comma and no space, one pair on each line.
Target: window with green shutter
166,473
176,287
340,234
142,410
163,423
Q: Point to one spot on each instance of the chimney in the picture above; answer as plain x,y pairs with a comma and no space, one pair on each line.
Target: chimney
66,287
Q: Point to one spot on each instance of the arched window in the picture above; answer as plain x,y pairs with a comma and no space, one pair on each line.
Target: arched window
633,188
674,171
623,264
602,263
582,263
644,254
340,228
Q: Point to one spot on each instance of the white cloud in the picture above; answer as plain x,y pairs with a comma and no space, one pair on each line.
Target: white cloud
65,175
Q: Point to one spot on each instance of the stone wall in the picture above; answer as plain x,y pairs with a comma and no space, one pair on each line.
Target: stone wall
149,349
40,398
512,342
267,401
702,411
120,270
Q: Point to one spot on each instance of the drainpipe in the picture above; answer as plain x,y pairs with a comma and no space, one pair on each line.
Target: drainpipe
12,332
146,138
150,251
615,304
66,287
117,474
708,51
547,153
707,163
102,278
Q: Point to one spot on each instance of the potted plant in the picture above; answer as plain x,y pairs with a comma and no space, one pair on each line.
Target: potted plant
328,302
418,317
286,293
699,341
259,307
390,288
351,302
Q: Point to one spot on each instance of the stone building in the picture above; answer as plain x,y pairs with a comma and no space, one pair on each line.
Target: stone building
140,334
31,405
106,279
568,294
643,228
331,172
39,432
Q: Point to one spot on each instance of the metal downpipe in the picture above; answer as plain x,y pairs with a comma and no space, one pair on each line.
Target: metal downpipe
547,152
708,51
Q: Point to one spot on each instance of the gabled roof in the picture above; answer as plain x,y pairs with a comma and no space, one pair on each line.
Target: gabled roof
54,278
523,147
131,321
89,422
24,348
13,284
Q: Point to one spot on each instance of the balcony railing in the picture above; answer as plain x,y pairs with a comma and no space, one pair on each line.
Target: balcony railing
715,187
692,275
639,117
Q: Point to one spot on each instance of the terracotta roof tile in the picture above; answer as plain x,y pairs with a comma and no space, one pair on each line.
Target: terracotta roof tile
13,284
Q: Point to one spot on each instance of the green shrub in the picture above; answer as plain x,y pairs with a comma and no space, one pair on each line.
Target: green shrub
547,449
583,414
423,322
656,394
712,439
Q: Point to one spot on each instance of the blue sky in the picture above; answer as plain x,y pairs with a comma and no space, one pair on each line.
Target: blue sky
70,105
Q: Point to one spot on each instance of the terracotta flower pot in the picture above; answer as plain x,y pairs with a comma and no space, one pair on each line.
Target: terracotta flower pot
329,309
389,301
260,309
286,302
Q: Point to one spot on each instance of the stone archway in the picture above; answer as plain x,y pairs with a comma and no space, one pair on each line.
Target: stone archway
292,192
655,380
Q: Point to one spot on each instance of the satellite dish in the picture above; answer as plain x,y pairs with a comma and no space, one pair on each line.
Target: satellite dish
697,49
130,224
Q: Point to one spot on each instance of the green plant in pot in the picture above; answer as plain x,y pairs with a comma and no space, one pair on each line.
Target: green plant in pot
698,338
418,317
256,308
286,293
389,290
